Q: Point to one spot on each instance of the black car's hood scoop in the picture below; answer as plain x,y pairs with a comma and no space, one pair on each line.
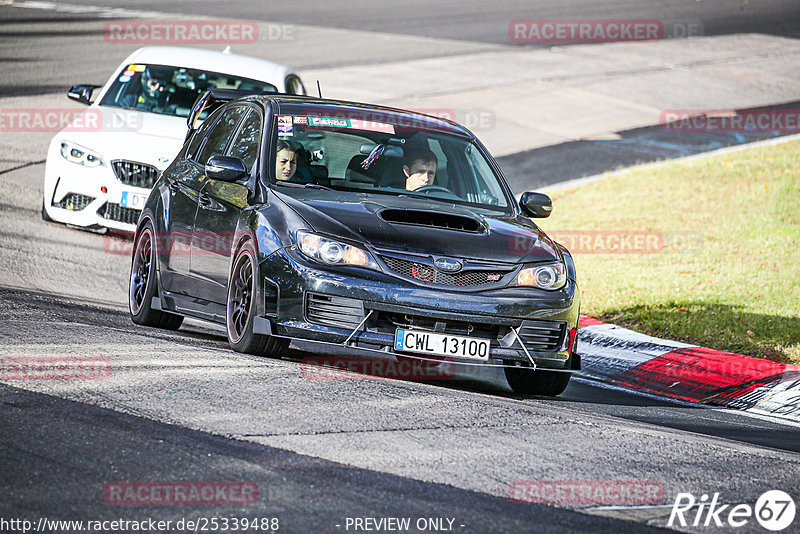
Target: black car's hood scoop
420,226
432,219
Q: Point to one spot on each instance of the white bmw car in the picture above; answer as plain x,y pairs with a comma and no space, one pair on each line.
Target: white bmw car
100,168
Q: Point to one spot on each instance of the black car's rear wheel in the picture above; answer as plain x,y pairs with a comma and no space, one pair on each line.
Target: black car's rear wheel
525,381
241,308
144,284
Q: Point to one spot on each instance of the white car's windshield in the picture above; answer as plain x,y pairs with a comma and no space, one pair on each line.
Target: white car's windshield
392,154
171,90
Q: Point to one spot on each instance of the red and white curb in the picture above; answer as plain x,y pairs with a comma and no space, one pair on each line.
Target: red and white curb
689,373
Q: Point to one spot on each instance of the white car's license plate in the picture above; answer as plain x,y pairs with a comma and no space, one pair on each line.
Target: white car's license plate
441,344
132,200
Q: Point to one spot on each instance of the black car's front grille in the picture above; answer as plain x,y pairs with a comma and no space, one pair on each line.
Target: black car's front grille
543,336
74,202
539,337
430,275
387,322
338,312
115,212
135,174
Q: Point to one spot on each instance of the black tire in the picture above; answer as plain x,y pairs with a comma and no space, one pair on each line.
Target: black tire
143,285
240,308
524,381
45,216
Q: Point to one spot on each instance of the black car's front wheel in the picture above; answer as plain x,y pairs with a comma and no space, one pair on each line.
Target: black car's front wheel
525,381
143,286
241,308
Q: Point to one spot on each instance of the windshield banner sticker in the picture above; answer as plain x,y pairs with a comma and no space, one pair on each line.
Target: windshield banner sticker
329,121
356,124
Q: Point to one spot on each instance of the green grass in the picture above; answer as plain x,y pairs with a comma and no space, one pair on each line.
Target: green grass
734,287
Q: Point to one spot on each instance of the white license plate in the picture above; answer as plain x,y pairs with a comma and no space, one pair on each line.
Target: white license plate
132,200
441,344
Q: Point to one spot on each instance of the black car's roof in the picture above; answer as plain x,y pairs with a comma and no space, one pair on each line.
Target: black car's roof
424,120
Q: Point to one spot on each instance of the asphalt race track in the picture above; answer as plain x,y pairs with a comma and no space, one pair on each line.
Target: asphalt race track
180,406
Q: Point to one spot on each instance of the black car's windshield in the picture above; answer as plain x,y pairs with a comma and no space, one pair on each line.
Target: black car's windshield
171,90
391,154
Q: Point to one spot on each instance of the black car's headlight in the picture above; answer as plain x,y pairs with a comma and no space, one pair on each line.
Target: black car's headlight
332,252
547,276
79,155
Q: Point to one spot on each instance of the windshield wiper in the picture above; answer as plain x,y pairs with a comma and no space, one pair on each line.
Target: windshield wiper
303,186
318,186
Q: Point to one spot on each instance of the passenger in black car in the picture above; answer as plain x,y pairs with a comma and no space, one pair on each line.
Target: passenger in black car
285,161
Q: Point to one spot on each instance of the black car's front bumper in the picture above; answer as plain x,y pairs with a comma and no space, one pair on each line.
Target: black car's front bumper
306,301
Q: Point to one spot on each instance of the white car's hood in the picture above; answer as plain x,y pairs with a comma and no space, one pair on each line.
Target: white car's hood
116,133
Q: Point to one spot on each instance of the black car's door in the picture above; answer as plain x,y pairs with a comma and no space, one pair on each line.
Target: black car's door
185,181
220,205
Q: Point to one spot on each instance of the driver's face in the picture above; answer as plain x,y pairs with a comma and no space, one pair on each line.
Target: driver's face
154,84
420,174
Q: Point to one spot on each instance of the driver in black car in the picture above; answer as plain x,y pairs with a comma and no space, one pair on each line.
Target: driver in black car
419,166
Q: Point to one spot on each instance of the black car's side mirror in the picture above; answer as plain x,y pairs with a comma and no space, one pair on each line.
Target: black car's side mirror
536,205
82,93
225,168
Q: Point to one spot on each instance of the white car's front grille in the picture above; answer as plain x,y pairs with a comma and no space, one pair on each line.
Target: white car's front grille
135,174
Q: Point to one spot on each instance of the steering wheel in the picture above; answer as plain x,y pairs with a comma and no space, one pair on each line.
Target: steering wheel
428,188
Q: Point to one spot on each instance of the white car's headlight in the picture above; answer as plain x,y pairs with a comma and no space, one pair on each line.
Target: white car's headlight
548,276
80,155
334,252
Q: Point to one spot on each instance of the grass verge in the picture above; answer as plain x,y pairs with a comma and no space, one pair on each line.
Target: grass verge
704,251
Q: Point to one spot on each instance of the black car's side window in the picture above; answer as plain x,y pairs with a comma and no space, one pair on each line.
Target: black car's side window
248,141
220,134
194,144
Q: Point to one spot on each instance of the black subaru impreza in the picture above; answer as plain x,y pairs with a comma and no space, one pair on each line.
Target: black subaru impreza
376,229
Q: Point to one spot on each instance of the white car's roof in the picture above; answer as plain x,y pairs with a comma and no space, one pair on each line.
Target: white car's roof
211,60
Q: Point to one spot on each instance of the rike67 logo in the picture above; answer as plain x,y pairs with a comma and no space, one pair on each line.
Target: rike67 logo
774,510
